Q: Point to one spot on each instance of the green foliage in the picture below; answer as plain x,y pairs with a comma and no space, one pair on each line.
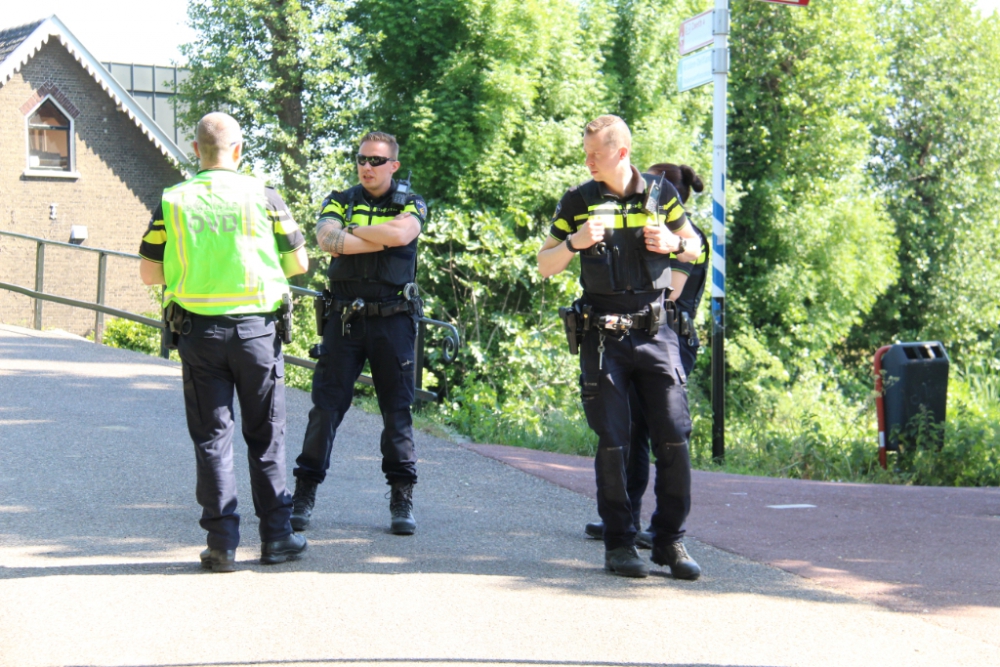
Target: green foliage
283,70
966,450
513,381
130,335
638,70
810,248
487,98
937,160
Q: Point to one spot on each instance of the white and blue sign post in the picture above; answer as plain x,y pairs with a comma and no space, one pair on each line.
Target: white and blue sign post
712,66
720,70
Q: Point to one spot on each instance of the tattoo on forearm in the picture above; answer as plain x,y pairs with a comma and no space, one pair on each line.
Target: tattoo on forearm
327,233
338,243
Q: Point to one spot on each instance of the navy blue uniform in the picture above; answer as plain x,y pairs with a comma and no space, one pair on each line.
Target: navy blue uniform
687,302
387,342
234,353
220,354
635,280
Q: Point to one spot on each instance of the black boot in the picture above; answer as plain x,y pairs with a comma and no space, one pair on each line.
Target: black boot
401,506
625,562
303,501
676,557
595,530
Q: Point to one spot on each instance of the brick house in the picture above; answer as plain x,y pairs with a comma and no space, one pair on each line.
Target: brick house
76,151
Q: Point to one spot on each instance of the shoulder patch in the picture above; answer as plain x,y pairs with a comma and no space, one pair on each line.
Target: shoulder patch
421,208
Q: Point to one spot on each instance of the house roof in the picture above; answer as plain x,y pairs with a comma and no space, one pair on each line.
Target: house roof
19,44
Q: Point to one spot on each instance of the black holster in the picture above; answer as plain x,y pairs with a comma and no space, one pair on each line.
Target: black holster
322,304
283,325
686,328
570,325
576,320
178,322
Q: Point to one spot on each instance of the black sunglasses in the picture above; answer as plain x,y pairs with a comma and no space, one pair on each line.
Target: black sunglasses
373,160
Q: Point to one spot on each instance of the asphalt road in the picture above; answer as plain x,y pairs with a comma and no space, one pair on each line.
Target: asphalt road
99,543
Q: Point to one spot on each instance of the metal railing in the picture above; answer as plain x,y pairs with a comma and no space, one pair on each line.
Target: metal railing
449,344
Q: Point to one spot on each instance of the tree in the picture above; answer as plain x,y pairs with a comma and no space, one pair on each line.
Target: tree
283,70
810,248
487,97
937,161
638,64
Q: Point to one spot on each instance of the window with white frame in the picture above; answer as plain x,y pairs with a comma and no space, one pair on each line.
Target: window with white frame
50,138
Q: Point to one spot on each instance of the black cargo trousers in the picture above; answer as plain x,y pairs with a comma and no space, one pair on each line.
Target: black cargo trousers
220,355
388,344
651,365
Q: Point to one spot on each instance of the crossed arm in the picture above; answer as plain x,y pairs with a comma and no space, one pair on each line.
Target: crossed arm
334,239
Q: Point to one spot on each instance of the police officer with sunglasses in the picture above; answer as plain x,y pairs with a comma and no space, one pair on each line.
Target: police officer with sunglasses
370,314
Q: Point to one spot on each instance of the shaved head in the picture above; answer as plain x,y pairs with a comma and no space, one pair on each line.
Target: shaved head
612,129
217,133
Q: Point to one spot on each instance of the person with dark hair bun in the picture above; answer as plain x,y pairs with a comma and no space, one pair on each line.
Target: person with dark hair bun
688,275
688,271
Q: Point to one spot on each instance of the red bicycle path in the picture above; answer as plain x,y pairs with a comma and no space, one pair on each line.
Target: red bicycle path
926,550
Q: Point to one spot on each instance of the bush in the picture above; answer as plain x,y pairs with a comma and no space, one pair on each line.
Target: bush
135,336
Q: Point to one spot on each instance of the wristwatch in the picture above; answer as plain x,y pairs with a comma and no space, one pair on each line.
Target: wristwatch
351,227
570,247
682,246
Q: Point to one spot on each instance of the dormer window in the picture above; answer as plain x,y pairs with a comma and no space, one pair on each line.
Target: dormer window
50,138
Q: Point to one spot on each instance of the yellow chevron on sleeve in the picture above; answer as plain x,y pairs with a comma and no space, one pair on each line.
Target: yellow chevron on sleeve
156,237
562,225
335,208
286,227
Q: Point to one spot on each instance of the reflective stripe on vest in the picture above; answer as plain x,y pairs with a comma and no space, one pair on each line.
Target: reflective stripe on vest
221,256
626,264
393,266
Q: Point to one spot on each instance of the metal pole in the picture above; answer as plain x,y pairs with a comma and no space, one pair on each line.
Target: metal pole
39,282
102,272
720,69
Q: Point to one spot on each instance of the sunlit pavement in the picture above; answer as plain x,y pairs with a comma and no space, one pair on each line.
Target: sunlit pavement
99,543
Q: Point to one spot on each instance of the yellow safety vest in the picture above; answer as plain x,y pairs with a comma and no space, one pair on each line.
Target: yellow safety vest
221,255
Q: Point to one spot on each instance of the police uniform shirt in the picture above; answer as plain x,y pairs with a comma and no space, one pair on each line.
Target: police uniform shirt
287,234
573,212
368,210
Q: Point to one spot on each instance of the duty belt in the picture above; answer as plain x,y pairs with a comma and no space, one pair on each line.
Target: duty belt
362,308
650,320
578,318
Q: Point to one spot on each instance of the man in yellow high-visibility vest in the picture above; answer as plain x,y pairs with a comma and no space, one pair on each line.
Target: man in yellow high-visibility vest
224,245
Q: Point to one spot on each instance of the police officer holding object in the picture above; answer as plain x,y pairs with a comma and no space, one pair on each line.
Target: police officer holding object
369,313
224,244
688,276
625,226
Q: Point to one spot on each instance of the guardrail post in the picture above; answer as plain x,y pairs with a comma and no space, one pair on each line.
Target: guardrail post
39,281
102,272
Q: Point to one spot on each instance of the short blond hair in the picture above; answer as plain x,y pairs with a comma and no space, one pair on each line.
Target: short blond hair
382,138
617,135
